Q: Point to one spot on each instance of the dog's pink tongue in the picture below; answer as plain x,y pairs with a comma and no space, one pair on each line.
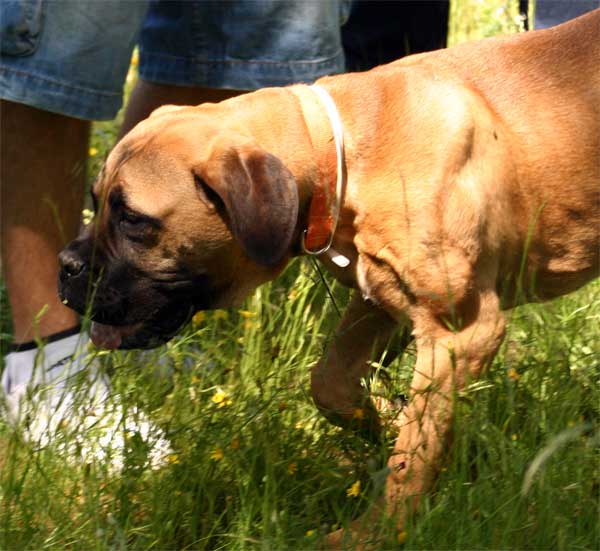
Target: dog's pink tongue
105,336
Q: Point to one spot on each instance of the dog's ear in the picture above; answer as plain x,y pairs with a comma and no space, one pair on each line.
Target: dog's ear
259,195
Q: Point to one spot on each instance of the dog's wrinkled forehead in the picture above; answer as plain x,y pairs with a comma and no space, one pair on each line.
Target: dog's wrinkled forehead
144,177
107,181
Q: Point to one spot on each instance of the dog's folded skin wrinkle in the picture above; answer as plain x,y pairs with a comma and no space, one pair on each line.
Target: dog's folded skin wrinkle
473,175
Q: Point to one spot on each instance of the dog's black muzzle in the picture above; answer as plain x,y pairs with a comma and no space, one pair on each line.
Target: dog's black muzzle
121,295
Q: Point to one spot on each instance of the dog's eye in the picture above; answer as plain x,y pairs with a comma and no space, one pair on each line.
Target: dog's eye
135,227
129,219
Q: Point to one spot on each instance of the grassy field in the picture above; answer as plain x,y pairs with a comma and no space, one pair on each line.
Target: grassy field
254,466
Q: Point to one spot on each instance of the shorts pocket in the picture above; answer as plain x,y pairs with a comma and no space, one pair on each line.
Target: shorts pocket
20,26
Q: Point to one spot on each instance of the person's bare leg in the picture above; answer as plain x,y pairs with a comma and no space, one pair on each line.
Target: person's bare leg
42,170
147,96
42,173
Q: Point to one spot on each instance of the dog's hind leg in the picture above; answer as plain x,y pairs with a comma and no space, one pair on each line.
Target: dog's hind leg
336,382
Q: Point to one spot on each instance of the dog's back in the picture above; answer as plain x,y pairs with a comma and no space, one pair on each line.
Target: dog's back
541,91
545,87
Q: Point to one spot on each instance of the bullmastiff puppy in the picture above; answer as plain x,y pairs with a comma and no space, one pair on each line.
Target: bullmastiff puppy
443,188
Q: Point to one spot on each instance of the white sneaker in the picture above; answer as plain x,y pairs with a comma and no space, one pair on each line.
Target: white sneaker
57,395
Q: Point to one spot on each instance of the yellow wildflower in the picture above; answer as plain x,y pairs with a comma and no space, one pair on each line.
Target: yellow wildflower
199,317
359,413
310,533
217,454
93,151
220,315
354,490
247,314
221,398
292,468
513,374
195,379
173,459
88,216
402,536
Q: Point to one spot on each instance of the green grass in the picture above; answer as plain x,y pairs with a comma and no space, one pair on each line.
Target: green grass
264,470
254,466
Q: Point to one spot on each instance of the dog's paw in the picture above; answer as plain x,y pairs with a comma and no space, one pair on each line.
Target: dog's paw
361,534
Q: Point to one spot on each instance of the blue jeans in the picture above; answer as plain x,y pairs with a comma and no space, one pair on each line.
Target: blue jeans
71,56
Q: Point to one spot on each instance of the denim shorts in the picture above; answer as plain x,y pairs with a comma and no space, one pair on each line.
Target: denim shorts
71,56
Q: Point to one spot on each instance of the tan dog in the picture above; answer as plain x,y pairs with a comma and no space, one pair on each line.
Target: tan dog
473,184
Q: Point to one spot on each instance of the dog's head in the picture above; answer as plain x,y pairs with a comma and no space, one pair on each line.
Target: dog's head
188,217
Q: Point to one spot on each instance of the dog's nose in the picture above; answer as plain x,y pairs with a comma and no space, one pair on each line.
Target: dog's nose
71,264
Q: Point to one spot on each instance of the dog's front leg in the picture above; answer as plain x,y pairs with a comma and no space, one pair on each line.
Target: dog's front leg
446,361
363,333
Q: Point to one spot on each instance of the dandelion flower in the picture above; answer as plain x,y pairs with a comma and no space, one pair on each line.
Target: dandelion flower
93,151
513,374
359,413
199,318
173,459
354,490
217,454
221,398
220,315
310,533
